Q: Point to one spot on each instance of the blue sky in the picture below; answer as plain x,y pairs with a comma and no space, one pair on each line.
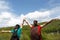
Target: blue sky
26,6
12,12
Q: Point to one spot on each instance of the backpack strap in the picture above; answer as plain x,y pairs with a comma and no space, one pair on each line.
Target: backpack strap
15,31
39,30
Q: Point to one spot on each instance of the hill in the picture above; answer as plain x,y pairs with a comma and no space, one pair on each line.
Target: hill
51,31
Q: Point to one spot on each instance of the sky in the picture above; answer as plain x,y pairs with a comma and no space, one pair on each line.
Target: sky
12,12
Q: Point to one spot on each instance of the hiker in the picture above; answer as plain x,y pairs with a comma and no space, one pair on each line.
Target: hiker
16,32
35,30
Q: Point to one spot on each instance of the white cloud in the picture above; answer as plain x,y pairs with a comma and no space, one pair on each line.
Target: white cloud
10,19
53,3
38,14
44,15
58,17
7,18
4,5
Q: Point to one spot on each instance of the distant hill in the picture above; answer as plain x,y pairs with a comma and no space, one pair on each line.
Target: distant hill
51,31
53,26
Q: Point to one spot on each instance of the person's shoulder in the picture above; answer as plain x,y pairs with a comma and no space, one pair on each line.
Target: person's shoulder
32,26
39,26
20,28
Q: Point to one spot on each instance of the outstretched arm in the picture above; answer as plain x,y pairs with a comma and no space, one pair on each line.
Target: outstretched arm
22,24
28,23
3,31
46,23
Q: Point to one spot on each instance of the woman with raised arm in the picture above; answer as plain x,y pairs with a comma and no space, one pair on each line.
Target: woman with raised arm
16,32
36,29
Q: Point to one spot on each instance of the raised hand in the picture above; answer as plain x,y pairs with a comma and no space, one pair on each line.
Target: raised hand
27,22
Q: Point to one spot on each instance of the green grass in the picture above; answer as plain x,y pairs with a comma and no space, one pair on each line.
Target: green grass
49,32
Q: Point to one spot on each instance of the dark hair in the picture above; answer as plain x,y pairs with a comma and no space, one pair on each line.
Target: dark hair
35,23
17,25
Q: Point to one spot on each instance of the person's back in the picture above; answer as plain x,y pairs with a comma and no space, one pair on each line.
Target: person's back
16,34
36,29
36,33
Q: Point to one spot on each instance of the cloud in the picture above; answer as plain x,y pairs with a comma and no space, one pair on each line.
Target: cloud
53,3
38,14
46,15
58,17
4,6
8,18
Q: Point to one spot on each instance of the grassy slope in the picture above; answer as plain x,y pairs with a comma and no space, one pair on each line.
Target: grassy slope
49,32
52,31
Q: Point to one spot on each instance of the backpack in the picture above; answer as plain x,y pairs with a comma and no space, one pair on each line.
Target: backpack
14,35
36,30
36,33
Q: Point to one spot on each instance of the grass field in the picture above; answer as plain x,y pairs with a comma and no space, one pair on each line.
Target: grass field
49,32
